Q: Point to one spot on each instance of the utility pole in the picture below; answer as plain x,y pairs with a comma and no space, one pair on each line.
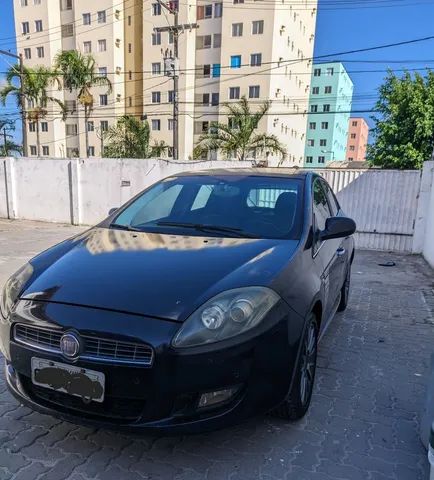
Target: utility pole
5,136
22,99
171,64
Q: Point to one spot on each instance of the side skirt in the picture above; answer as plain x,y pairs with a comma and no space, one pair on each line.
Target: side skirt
331,316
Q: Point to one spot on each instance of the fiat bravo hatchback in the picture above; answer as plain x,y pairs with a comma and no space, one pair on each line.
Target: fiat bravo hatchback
197,304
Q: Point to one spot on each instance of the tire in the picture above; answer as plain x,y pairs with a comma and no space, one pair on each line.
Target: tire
296,405
345,291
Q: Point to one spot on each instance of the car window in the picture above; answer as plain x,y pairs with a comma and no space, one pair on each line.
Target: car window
320,206
257,206
333,203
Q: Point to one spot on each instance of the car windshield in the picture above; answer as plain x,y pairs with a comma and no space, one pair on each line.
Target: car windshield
220,206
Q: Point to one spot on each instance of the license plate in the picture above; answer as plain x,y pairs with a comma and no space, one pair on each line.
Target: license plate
79,382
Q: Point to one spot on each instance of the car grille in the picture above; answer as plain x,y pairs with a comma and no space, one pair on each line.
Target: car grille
95,348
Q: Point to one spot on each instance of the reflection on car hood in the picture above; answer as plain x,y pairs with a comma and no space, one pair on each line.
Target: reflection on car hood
166,276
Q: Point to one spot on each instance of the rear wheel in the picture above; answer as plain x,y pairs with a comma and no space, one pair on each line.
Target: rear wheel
345,291
298,400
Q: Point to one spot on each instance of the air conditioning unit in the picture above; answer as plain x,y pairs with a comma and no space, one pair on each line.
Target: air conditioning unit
118,70
117,14
118,97
118,42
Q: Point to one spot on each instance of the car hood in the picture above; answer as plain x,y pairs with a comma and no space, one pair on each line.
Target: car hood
165,276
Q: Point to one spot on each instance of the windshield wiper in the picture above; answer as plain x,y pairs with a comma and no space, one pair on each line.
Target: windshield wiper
211,228
119,226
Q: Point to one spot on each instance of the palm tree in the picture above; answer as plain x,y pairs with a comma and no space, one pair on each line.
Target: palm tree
37,82
237,137
79,74
130,138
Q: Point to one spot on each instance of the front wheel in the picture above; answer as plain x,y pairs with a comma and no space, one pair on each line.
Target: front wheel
298,400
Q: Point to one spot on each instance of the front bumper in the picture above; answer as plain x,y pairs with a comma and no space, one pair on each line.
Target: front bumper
164,396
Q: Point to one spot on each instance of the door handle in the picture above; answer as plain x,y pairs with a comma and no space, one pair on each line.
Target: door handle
340,252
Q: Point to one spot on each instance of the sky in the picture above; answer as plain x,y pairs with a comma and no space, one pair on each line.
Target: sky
339,28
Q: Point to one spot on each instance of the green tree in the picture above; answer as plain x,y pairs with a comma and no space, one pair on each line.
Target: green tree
130,138
404,125
38,83
237,138
78,73
9,146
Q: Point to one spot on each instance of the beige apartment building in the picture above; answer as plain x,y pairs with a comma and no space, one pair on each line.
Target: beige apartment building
259,49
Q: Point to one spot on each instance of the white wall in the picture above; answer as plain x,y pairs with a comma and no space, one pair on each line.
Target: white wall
81,191
428,246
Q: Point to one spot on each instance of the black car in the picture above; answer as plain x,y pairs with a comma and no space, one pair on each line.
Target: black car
197,304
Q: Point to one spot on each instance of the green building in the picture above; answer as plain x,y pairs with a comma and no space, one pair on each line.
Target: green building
330,102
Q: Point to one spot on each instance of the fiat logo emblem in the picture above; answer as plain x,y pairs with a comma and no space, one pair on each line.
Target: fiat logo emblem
70,345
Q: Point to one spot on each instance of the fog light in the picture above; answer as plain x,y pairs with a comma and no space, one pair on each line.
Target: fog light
211,399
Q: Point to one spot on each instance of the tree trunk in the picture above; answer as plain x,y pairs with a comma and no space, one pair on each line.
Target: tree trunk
86,131
38,139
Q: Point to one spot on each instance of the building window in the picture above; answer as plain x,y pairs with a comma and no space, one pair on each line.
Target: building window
65,5
103,100
40,52
156,97
328,90
326,108
309,159
24,3
103,125
102,71
130,48
315,91
36,2
258,27
321,159
27,53
170,124
38,25
236,61
156,9
311,142
90,126
314,108
312,126
218,10
87,47
71,130
205,99
129,20
350,159
216,70
25,28
91,151
237,29
217,40
87,20
45,150
32,127
156,38
215,99
353,135
325,125
170,96
203,42
254,91
330,72
101,16
207,11
323,143
102,45
156,68
234,93
33,150
317,72
44,127
130,75
70,106
206,71
256,59
67,30
354,124
352,148
156,124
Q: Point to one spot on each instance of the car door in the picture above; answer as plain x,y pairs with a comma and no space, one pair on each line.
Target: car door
325,252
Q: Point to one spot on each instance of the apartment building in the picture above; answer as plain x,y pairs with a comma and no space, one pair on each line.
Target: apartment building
240,48
329,112
46,27
228,49
358,133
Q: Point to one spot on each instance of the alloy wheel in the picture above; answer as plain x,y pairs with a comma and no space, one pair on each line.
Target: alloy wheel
308,364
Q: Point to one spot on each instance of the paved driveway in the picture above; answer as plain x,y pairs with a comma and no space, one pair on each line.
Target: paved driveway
363,423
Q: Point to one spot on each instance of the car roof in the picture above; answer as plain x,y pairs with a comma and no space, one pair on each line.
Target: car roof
250,172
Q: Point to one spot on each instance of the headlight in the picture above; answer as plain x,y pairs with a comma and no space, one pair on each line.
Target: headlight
13,288
226,315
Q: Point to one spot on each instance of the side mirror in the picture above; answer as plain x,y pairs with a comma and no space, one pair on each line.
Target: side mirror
112,211
338,227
